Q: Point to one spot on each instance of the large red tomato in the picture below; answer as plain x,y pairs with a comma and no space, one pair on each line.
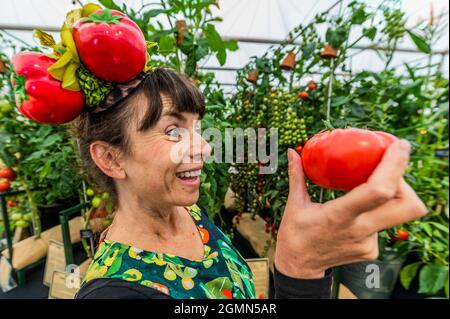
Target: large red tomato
110,45
344,158
39,96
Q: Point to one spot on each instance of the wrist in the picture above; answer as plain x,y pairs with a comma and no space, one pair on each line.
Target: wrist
291,268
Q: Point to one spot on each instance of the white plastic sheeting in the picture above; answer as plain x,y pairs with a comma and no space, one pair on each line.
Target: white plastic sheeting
266,20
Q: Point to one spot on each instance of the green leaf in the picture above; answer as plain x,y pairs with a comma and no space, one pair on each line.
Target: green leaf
446,287
45,170
213,38
6,157
411,72
359,16
110,4
221,57
432,278
105,17
357,110
420,42
427,229
152,13
36,155
440,227
341,100
336,37
215,43
166,44
231,45
50,140
308,50
408,273
370,33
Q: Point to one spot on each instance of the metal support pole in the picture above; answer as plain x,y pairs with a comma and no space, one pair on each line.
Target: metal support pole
4,210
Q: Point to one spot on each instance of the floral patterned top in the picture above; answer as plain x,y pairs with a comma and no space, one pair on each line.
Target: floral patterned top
221,274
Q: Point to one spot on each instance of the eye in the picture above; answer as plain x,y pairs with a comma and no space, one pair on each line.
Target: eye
174,133
197,127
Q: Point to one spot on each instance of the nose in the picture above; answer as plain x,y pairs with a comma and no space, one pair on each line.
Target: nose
200,148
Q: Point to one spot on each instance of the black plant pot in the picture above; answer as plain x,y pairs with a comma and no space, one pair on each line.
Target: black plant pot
354,277
49,214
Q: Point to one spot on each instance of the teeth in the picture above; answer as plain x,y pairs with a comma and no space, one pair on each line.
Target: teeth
189,173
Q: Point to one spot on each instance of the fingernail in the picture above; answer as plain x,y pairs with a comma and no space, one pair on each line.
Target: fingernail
405,145
289,154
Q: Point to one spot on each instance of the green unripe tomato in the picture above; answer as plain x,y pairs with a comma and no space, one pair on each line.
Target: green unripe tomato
5,107
90,192
96,202
22,224
15,217
105,195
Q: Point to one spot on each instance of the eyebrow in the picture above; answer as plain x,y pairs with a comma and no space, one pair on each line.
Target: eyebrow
175,114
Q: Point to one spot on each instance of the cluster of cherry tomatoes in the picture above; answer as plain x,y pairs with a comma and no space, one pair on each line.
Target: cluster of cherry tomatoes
7,175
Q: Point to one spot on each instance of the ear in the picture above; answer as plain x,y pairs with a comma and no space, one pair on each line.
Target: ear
106,158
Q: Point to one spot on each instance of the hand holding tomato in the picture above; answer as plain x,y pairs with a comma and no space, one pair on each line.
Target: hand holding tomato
314,237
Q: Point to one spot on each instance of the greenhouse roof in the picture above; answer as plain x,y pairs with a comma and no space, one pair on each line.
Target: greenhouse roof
256,24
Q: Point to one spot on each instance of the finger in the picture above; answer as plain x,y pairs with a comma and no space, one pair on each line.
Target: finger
406,206
392,166
297,181
381,186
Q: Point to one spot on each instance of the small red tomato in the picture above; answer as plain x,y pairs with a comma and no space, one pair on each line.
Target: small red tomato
8,173
303,95
299,149
312,85
401,235
11,203
4,186
100,213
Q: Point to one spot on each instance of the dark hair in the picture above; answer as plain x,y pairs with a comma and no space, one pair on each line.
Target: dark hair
111,125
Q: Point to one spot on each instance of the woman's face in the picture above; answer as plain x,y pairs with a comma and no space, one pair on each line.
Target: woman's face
165,162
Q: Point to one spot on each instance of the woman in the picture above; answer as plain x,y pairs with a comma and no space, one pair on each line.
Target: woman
161,245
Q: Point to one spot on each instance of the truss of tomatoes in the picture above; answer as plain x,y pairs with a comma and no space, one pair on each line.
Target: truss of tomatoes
7,175
109,44
342,159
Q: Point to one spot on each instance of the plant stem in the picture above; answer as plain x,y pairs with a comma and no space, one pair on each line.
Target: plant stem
330,90
163,3
34,213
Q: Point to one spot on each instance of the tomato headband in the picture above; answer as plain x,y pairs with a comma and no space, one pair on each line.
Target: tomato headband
101,59
119,93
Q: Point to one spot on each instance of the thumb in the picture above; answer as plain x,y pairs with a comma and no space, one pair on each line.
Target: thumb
297,182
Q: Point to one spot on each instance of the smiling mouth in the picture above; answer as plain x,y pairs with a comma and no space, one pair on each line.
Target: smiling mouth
189,175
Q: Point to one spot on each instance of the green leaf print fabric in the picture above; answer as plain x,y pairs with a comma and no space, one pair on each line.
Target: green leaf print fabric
222,273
